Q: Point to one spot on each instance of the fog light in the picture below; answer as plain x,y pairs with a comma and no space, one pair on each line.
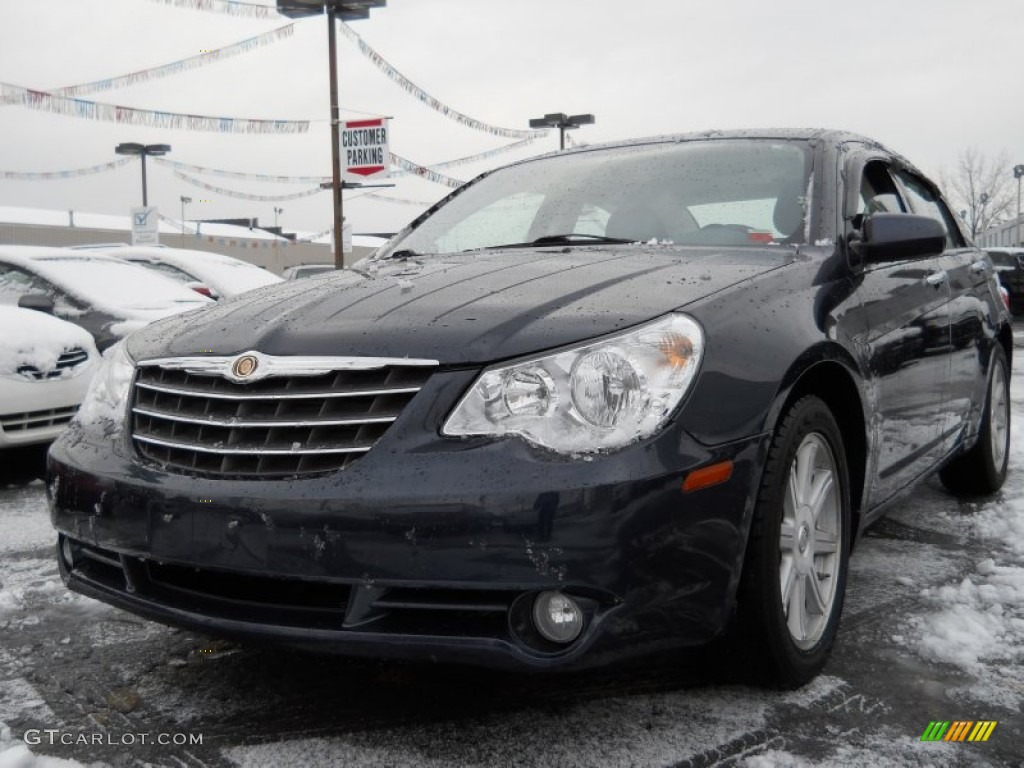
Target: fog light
65,549
557,617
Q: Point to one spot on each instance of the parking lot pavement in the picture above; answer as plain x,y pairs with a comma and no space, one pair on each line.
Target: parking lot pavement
933,630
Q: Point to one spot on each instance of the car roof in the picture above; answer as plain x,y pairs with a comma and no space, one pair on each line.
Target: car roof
181,256
829,135
25,255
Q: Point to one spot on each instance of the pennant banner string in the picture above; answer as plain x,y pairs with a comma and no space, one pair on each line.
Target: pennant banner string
50,175
425,173
319,179
317,236
244,195
399,200
470,159
175,67
435,104
239,175
94,110
252,10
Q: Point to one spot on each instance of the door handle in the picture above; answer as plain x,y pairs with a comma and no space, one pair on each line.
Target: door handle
979,267
937,278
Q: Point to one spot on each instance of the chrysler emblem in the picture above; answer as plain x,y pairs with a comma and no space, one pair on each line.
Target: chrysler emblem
244,366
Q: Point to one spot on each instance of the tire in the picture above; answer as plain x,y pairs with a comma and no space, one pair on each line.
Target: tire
982,469
799,538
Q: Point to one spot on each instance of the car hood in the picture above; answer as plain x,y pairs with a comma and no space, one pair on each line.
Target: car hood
463,308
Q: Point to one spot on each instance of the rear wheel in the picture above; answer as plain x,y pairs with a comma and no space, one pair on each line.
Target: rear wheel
982,469
793,582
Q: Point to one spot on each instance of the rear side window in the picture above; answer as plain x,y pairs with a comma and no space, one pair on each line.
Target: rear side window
167,269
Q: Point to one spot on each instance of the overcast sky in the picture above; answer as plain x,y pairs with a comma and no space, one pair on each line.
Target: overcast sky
926,77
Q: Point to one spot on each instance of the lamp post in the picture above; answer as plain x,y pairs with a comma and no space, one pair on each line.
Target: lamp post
562,122
184,201
277,232
142,150
346,10
1018,173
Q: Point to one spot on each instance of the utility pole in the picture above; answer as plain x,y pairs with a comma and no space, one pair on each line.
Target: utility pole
346,10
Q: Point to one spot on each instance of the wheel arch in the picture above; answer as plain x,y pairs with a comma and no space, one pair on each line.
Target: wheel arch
832,376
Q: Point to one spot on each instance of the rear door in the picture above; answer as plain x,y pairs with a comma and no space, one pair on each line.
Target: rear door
971,309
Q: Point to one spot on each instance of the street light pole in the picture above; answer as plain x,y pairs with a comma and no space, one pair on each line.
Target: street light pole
562,122
1018,173
184,201
277,233
142,150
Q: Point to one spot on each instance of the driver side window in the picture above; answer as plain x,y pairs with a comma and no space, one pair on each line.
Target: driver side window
878,191
15,283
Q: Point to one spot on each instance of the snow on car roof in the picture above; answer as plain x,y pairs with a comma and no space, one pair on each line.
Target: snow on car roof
104,282
225,274
37,339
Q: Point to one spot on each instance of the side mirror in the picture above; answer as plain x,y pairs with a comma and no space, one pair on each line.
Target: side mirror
36,301
899,236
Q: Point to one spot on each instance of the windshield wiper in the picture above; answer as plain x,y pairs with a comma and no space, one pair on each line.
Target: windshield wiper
406,253
571,238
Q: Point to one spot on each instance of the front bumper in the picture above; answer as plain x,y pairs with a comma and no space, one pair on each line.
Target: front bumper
33,412
432,551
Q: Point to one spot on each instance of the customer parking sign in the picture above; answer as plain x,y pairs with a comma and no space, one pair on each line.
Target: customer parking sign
364,149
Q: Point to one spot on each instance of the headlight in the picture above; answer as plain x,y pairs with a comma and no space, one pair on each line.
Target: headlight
596,397
106,400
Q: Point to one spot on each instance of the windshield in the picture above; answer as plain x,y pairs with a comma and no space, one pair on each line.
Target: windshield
728,192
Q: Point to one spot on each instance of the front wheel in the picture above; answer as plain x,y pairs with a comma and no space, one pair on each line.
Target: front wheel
982,469
791,590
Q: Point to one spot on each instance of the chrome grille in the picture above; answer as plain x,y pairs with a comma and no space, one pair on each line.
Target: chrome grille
195,418
20,422
64,367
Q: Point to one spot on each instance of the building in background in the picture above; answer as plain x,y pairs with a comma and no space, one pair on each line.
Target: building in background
1002,235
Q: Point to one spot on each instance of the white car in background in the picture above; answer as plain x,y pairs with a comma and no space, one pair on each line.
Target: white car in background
301,271
46,365
108,297
212,274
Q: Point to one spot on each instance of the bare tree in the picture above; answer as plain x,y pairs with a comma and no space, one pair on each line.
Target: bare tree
981,189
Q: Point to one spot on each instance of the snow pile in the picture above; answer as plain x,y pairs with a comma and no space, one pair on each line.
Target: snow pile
36,339
15,754
983,620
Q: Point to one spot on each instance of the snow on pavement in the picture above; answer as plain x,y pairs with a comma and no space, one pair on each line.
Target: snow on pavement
977,624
